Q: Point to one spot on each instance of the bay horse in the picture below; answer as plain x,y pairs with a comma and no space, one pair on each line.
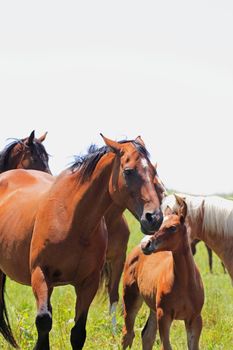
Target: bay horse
25,153
168,281
210,219
52,230
118,237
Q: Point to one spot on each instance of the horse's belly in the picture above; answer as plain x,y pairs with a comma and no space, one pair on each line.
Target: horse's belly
14,255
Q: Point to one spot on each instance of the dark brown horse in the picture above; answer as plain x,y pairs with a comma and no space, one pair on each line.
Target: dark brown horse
57,234
26,153
168,281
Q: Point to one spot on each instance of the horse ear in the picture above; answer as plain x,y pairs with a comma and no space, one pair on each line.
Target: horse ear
168,211
31,138
42,138
182,212
140,140
115,146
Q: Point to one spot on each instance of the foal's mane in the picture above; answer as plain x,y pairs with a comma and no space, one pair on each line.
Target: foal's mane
86,164
36,146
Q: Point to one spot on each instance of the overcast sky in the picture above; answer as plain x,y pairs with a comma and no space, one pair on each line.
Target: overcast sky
159,69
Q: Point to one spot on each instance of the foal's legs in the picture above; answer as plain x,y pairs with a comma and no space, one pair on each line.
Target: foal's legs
132,302
42,294
164,323
85,294
193,330
149,331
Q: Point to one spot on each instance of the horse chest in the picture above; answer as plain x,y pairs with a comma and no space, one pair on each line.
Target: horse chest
179,304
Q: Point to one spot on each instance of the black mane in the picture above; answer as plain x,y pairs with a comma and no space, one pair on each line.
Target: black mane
87,163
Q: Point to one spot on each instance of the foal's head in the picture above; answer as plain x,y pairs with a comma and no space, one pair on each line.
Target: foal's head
171,233
26,153
134,183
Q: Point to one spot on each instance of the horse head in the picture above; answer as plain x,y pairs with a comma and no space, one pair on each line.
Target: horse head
26,153
132,182
171,232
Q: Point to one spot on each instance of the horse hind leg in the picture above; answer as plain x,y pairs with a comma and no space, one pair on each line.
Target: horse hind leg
149,331
210,257
44,310
85,294
132,302
113,288
5,328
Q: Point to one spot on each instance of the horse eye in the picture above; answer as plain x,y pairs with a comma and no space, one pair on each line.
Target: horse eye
128,171
172,228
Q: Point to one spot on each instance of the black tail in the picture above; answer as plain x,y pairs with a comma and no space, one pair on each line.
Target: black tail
105,280
5,328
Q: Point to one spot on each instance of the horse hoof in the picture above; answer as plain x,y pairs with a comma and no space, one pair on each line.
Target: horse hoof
44,322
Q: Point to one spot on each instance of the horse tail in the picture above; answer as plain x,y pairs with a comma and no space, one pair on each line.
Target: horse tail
105,279
5,328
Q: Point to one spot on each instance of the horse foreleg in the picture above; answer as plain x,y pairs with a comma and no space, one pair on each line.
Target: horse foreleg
85,294
132,302
44,310
193,330
149,331
164,323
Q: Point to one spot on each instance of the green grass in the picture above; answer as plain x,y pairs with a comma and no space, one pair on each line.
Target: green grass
217,333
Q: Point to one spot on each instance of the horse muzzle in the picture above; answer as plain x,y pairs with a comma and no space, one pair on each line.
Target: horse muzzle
151,222
146,245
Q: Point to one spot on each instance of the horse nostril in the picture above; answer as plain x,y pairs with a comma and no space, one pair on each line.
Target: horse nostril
150,217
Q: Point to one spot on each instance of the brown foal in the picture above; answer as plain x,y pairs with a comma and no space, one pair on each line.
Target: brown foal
168,281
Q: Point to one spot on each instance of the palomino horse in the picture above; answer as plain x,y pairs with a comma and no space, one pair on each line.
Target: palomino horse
26,153
194,242
56,234
210,219
118,236
168,281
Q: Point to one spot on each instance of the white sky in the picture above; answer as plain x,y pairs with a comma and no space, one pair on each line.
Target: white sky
159,69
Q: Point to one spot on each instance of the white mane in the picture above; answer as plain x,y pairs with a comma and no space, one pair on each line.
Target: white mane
218,212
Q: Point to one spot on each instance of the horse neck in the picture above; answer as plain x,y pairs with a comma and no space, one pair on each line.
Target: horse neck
114,213
184,265
94,194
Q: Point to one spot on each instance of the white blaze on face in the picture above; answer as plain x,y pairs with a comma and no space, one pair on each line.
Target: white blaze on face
145,166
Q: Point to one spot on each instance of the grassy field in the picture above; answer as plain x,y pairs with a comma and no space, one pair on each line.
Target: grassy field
217,333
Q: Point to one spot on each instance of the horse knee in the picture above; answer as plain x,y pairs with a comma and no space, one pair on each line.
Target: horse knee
44,322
